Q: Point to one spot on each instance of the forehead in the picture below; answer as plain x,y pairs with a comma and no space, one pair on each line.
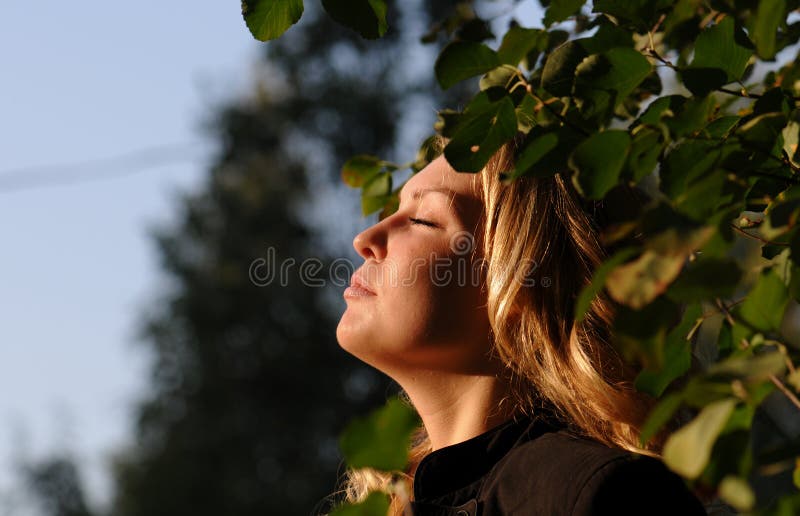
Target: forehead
439,174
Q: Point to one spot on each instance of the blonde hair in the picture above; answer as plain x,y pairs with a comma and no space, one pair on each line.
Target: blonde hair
571,369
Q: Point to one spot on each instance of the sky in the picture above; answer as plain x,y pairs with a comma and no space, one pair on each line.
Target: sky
100,109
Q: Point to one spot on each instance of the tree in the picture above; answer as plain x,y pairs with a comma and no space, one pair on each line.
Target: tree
58,487
717,250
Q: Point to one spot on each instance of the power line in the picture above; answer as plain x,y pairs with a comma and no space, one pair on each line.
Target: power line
27,178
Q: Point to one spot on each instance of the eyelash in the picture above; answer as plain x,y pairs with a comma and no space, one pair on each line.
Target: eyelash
422,222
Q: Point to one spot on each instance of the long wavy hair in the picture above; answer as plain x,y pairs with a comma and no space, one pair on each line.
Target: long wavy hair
570,368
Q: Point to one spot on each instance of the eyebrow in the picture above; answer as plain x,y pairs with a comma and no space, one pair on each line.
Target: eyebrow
422,191
451,194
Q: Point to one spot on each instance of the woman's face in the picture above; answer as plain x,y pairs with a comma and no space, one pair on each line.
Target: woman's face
427,309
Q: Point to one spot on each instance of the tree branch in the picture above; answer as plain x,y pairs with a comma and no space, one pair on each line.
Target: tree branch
756,237
556,114
789,394
742,93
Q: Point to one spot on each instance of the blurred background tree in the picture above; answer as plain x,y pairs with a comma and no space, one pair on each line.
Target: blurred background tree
57,485
249,388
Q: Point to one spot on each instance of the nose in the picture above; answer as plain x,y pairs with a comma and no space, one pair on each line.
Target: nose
371,243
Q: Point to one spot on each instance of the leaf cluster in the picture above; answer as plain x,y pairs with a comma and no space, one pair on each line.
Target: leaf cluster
713,258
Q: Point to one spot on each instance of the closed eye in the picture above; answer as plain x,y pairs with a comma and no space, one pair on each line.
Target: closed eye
422,222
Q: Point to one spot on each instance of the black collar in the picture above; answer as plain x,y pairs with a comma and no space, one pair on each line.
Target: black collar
458,465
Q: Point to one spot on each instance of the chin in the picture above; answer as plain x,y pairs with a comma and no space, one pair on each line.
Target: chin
362,345
348,336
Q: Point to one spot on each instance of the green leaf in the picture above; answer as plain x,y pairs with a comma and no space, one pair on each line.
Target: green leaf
608,36
749,368
764,306
741,418
737,492
461,60
773,100
268,19
677,355
720,127
446,122
645,150
526,114
538,148
640,333
545,151
640,14
637,283
376,192
763,131
560,10
706,278
691,159
603,81
518,42
688,450
598,161
382,439
683,115
501,77
791,137
590,291
700,392
659,416
480,133
391,205
721,53
375,504
367,17
782,214
796,474
358,169
702,81
691,116
659,108
679,237
558,73
475,29
429,149
703,195
769,15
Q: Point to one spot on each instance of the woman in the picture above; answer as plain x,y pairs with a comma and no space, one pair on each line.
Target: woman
465,298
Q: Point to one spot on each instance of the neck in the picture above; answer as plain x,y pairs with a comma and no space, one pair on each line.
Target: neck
457,407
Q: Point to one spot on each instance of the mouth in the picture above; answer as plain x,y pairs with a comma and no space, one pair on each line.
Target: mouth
358,288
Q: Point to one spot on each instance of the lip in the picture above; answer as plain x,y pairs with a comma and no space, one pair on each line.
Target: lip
358,288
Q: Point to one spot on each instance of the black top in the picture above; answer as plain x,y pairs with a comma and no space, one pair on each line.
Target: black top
534,468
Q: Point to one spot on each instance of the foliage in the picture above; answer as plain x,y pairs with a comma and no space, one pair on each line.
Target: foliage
381,439
58,487
718,154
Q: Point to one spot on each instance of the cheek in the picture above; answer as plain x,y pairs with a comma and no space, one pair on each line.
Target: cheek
456,301
460,314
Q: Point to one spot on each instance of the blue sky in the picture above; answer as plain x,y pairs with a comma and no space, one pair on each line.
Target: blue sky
85,81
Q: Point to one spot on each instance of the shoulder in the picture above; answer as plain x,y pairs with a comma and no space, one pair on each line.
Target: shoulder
560,473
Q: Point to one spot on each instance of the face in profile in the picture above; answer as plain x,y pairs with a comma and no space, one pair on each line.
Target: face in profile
423,304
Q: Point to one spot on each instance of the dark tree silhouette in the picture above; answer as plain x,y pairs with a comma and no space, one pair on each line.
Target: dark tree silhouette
57,486
249,387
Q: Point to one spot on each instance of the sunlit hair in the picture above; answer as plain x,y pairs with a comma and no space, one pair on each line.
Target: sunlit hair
572,369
